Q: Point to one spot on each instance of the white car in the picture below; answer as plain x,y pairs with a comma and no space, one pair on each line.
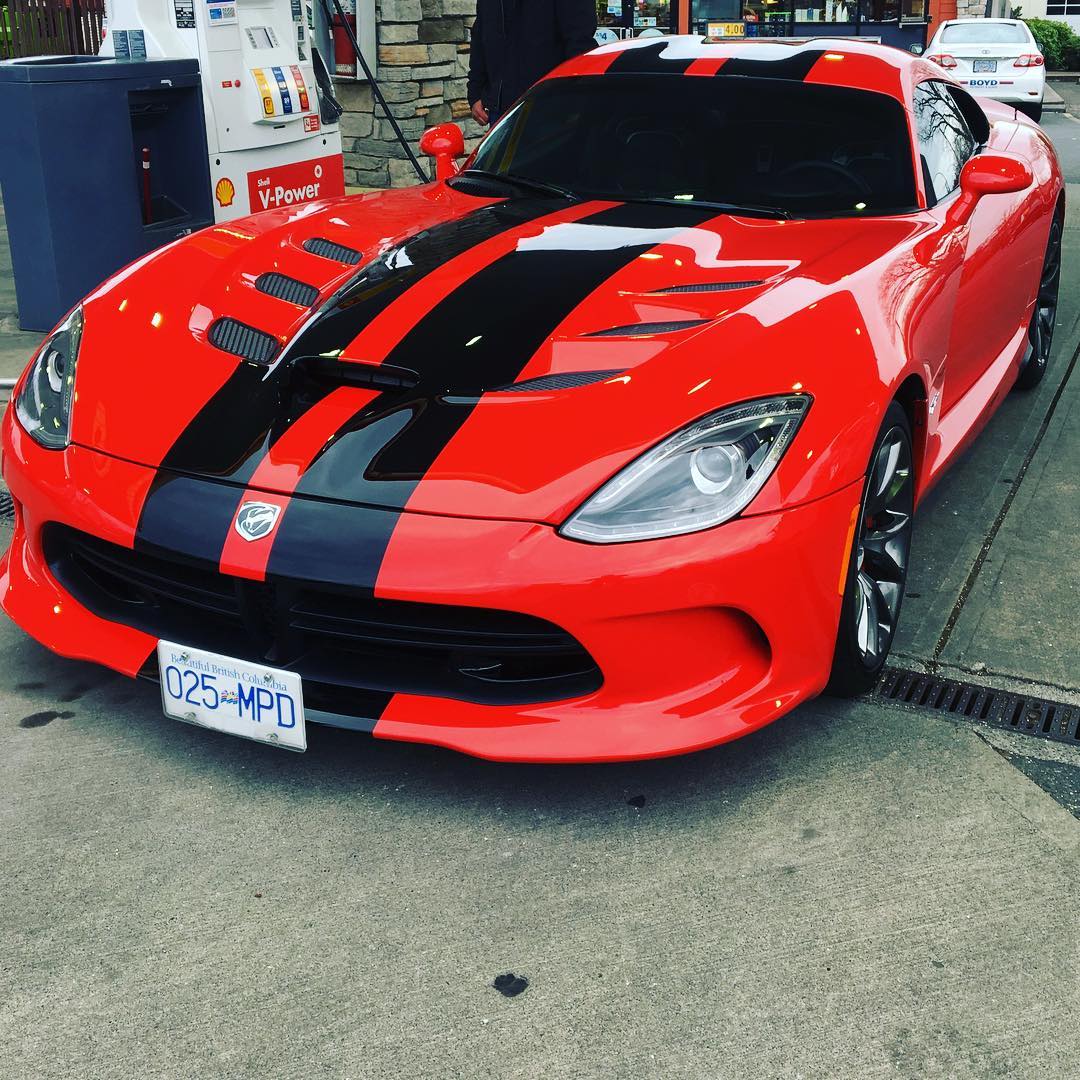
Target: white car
995,58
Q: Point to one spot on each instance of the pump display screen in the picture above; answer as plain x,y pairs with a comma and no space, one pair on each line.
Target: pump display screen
261,37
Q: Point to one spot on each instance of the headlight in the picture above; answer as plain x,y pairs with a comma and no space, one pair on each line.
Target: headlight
44,405
698,478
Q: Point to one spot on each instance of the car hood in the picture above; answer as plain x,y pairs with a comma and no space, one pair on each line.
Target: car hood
464,356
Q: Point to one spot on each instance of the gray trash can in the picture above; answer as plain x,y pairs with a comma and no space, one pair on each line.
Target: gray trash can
71,157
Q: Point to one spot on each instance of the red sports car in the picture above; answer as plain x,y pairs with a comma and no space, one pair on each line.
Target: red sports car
605,446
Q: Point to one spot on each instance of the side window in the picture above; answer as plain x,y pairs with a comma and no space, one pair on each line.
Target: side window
945,140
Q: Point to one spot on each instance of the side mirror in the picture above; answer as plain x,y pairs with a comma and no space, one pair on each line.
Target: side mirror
444,143
989,174
995,174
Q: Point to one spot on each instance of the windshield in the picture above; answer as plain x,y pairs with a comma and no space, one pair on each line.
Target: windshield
974,33
809,150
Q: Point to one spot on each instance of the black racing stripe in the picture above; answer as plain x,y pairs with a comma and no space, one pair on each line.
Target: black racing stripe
233,431
330,543
229,435
647,59
795,67
187,517
481,336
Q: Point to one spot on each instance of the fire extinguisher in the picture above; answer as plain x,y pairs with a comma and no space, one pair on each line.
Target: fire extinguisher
344,58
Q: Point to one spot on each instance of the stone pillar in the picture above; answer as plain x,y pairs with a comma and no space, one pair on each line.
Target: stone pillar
423,64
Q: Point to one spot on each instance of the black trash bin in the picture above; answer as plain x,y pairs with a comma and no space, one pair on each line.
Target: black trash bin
71,165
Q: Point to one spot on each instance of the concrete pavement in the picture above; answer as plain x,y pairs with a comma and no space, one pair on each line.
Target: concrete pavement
854,892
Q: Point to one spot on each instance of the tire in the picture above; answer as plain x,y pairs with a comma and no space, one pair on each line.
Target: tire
1034,111
1043,318
879,560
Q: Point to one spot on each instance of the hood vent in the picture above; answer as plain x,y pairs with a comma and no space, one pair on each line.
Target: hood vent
287,288
708,286
645,329
255,346
567,380
329,250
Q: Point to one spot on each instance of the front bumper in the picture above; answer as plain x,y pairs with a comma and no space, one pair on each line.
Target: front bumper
699,639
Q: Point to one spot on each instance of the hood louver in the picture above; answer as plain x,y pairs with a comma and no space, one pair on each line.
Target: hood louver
255,346
287,288
645,329
327,249
707,286
567,380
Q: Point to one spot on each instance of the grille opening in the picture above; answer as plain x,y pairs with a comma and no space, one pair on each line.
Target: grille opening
232,336
1025,715
327,249
287,288
343,643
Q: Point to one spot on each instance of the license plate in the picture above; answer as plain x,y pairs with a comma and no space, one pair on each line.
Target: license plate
984,65
234,696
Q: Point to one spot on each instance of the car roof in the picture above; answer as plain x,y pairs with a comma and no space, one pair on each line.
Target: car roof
825,61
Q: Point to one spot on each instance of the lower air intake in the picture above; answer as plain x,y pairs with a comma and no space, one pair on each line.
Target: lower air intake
329,250
287,288
238,338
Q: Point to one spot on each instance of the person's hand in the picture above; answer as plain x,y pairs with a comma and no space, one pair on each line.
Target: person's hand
480,114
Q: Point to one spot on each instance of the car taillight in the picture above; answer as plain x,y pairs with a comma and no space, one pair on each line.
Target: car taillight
1029,60
943,60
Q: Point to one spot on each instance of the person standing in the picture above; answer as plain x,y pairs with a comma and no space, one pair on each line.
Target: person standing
517,42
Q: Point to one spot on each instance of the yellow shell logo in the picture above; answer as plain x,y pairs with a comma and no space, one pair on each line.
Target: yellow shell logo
224,192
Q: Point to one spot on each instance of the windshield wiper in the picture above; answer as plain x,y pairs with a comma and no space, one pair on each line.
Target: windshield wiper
523,183
743,209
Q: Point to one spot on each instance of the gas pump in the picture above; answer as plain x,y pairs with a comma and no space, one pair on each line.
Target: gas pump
271,121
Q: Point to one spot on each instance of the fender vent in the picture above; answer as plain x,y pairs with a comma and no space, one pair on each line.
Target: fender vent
566,381
237,338
708,286
1044,719
329,250
644,329
287,288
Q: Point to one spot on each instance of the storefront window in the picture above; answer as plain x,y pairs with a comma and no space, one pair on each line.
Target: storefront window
631,17
773,18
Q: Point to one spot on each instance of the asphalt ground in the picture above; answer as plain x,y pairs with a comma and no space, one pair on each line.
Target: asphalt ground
859,890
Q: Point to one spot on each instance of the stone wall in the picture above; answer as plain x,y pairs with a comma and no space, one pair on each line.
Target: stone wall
423,63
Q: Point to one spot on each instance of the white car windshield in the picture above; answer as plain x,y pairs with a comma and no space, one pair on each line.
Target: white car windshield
975,33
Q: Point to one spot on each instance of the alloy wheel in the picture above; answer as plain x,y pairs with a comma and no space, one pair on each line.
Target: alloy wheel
1043,318
884,548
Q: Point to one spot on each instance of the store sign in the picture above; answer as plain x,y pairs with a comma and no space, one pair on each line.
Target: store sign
290,185
719,30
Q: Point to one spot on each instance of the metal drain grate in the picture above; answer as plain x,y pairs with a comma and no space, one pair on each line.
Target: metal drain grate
7,506
1001,708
